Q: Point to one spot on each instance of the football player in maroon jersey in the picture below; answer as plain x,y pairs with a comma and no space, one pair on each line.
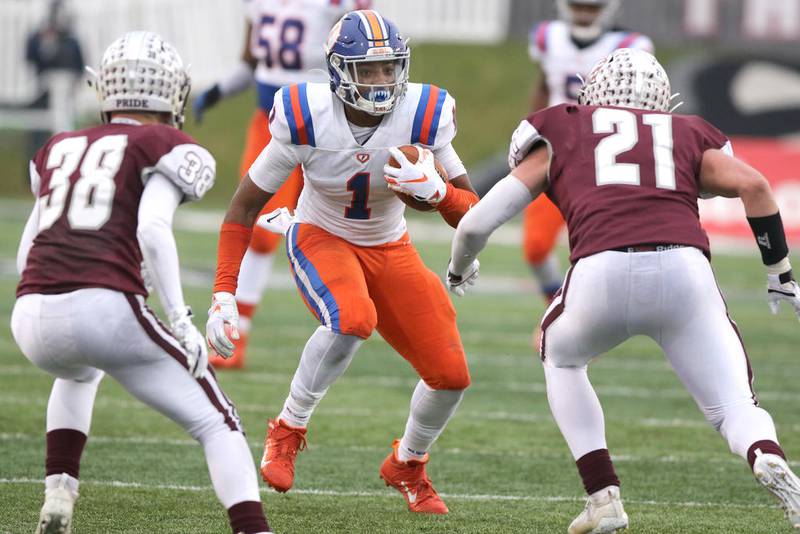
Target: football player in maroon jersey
105,199
626,174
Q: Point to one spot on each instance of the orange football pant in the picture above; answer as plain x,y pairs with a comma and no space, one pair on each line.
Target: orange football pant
258,136
354,290
542,222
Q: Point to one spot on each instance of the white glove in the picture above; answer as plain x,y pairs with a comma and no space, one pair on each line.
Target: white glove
522,140
277,221
421,180
459,283
222,327
191,340
786,292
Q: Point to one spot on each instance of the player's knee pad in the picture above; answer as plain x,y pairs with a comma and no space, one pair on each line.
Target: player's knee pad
358,318
264,241
456,377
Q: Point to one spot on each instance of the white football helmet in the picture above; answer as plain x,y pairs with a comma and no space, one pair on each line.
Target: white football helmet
140,71
627,78
600,24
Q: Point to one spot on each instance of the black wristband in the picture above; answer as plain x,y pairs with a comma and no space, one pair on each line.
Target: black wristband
770,237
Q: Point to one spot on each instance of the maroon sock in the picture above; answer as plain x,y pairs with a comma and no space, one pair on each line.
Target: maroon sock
248,517
597,471
64,449
767,447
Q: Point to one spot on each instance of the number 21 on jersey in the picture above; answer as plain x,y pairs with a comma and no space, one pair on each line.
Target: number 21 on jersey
622,124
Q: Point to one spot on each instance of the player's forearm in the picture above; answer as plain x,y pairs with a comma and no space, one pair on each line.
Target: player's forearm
456,203
235,233
159,250
506,199
757,197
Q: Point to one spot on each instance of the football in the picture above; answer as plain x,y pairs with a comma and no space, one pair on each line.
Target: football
413,153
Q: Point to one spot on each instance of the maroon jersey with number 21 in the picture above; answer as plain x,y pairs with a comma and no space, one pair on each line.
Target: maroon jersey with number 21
88,185
624,176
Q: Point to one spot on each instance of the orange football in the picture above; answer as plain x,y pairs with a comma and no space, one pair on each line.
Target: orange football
412,153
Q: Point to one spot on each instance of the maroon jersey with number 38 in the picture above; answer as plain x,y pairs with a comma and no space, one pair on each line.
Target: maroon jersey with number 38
625,177
88,185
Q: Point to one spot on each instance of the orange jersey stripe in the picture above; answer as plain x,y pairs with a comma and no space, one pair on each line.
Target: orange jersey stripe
427,120
375,24
294,92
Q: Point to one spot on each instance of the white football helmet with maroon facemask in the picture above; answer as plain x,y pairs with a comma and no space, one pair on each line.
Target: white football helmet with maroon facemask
580,29
140,71
628,78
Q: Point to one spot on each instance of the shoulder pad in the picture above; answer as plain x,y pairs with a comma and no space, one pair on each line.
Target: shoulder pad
435,118
522,140
636,40
537,40
190,167
290,120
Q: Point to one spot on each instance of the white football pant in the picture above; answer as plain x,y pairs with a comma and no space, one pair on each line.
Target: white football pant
76,336
671,297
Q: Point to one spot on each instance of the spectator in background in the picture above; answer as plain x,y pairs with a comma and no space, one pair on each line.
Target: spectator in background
55,53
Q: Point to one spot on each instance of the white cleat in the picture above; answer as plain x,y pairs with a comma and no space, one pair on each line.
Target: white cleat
603,514
773,472
56,514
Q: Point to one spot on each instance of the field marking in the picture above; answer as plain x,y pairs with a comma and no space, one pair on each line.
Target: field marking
332,411
728,459
391,495
529,386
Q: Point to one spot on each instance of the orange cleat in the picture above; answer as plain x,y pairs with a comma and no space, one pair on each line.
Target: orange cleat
280,450
411,480
236,361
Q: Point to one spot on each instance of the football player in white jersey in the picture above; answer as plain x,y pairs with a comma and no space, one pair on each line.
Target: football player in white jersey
106,197
566,50
283,45
350,253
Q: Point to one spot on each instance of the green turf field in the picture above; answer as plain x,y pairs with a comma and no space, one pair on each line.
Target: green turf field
502,465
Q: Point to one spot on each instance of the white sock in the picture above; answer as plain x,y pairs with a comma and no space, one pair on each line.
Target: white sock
325,357
70,483
575,408
71,404
431,409
253,276
231,467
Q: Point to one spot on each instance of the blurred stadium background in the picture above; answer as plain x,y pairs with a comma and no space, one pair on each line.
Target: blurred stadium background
502,462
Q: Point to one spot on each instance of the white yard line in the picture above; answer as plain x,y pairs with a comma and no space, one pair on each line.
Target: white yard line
727,459
391,495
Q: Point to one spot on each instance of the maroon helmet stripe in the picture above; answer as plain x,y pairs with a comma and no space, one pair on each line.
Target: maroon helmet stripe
557,310
165,341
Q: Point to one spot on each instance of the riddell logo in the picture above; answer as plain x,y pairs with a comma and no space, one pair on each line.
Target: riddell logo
138,103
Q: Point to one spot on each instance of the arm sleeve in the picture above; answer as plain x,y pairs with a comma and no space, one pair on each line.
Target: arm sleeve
508,197
273,166
448,157
28,235
190,168
159,201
